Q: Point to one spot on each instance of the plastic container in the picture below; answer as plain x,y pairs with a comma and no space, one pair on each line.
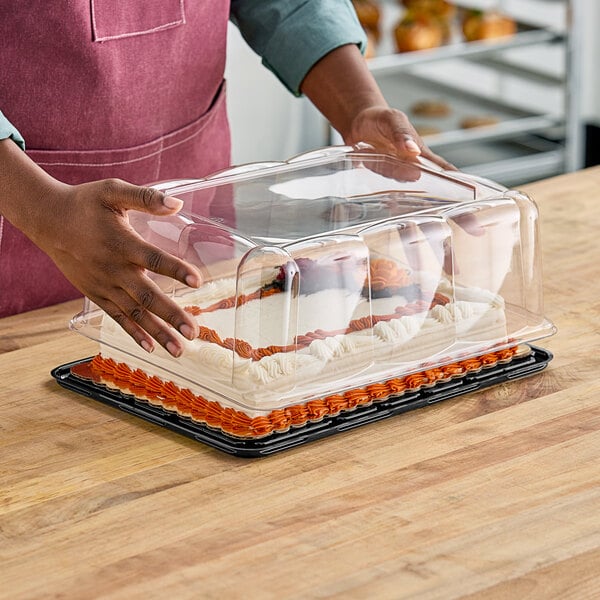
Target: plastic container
329,281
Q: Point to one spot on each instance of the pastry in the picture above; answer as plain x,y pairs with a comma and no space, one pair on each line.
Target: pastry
418,32
478,25
439,11
425,130
478,121
369,16
431,108
439,8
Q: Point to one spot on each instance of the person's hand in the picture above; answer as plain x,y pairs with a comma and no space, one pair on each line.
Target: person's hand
85,229
389,130
88,235
341,86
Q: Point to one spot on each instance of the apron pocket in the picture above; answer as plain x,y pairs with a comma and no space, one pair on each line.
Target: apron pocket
116,19
194,150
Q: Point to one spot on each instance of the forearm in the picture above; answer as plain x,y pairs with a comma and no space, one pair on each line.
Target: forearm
24,189
340,85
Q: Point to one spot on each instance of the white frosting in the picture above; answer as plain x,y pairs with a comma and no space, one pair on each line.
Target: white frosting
342,360
270,321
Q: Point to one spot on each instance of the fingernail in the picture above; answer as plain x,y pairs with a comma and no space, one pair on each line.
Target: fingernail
412,146
173,349
187,331
192,280
147,346
171,202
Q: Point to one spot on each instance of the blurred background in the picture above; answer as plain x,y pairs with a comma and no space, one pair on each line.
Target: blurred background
506,89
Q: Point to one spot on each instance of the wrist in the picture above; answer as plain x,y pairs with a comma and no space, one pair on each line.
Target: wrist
341,86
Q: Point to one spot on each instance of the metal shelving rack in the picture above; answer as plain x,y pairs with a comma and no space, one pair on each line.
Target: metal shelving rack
524,144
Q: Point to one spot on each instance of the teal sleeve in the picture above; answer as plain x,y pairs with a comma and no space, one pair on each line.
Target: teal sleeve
8,130
292,35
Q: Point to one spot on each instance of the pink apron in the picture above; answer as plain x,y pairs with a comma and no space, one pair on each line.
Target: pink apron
107,88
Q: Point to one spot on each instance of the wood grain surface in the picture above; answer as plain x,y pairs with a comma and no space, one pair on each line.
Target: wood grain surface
492,495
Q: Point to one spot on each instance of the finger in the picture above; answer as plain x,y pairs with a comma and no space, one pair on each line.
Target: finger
132,315
142,297
404,141
156,260
121,195
141,337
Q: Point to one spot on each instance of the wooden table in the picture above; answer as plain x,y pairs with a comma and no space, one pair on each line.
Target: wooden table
493,495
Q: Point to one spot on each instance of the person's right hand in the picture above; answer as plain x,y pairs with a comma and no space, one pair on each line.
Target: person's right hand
86,231
102,255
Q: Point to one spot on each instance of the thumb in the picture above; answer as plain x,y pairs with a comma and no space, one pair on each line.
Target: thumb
126,196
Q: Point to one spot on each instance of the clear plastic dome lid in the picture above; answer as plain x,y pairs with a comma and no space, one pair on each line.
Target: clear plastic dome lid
338,269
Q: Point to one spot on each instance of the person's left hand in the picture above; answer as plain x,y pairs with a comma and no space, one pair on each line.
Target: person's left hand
389,130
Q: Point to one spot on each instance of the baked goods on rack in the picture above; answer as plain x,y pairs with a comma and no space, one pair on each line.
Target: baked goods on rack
440,8
417,31
431,108
369,16
371,47
439,11
472,122
478,25
425,130
427,24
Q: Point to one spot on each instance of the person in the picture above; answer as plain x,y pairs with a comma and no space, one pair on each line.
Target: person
109,96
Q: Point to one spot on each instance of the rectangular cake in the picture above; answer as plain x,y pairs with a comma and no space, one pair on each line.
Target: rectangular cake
330,282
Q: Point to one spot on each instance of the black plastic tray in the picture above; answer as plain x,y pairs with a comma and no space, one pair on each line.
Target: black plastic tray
536,361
